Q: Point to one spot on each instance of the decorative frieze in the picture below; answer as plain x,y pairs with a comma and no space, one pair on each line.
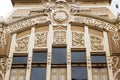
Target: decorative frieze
98,23
96,43
115,66
22,44
59,37
77,39
25,23
41,39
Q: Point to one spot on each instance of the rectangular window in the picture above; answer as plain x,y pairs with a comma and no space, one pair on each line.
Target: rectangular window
59,56
58,74
79,73
18,74
39,57
98,59
20,60
100,74
38,73
78,56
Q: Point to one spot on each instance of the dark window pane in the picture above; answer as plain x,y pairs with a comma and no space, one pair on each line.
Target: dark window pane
19,60
58,55
38,73
79,73
39,57
117,6
98,59
78,56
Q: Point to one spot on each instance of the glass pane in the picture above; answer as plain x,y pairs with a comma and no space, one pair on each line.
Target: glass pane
22,78
38,73
95,77
13,78
79,73
54,77
78,56
98,59
39,57
58,55
19,60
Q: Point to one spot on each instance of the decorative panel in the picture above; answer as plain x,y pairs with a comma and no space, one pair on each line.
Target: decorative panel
59,37
22,44
41,39
77,39
96,43
116,67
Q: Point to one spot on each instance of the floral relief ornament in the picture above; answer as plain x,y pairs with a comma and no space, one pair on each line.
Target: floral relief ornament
59,37
96,43
77,39
22,44
41,39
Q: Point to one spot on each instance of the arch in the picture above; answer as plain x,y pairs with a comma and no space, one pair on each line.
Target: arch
43,19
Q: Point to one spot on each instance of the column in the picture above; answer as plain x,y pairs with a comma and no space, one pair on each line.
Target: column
69,45
49,55
88,49
30,52
108,58
10,57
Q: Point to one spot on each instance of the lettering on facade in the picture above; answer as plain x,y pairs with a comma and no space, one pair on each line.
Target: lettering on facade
99,23
26,23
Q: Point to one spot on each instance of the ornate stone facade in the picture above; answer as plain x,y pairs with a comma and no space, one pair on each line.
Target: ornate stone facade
60,24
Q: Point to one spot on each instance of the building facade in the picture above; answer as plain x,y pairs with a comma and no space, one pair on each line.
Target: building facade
60,40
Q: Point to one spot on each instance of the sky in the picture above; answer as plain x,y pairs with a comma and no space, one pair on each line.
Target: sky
5,7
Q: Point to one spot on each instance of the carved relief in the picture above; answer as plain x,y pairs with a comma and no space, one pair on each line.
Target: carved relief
25,24
22,44
60,16
116,69
59,37
77,39
98,23
41,39
3,67
96,43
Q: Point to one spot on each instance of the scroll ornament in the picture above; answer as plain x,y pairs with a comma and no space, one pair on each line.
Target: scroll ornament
22,44
116,69
41,39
